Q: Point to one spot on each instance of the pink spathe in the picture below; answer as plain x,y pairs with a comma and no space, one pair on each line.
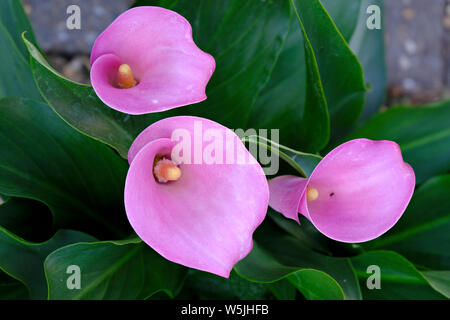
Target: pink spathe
170,70
363,186
204,220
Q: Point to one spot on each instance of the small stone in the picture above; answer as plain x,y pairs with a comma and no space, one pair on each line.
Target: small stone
410,46
396,91
404,62
56,61
77,69
27,8
408,14
446,22
409,84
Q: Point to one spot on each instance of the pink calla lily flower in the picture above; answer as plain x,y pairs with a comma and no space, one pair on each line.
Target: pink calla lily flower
199,209
146,61
356,193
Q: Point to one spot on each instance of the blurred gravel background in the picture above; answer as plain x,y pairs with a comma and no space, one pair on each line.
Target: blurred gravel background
417,34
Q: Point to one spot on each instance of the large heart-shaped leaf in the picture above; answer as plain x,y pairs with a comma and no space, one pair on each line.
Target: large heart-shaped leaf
340,71
126,269
24,260
293,100
425,224
44,159
423,134
399,279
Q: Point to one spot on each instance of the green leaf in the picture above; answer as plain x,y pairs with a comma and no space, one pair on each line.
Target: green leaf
245,39
282,289
293,100
399,278
259,266
80,107
305,232
276,255
12,289
3,199
79,179
112,270
439,280
340,71
316,285
26,218
368,45
16,79
15,20
254,85
207,286
423,134
24,260
423,233
303,163
344,14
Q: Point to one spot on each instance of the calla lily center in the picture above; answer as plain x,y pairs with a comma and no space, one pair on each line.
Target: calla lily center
125,79
311,194
166,170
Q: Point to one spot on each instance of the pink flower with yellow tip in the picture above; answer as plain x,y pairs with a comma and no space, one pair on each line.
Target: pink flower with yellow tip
194,193
146,61
356,193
